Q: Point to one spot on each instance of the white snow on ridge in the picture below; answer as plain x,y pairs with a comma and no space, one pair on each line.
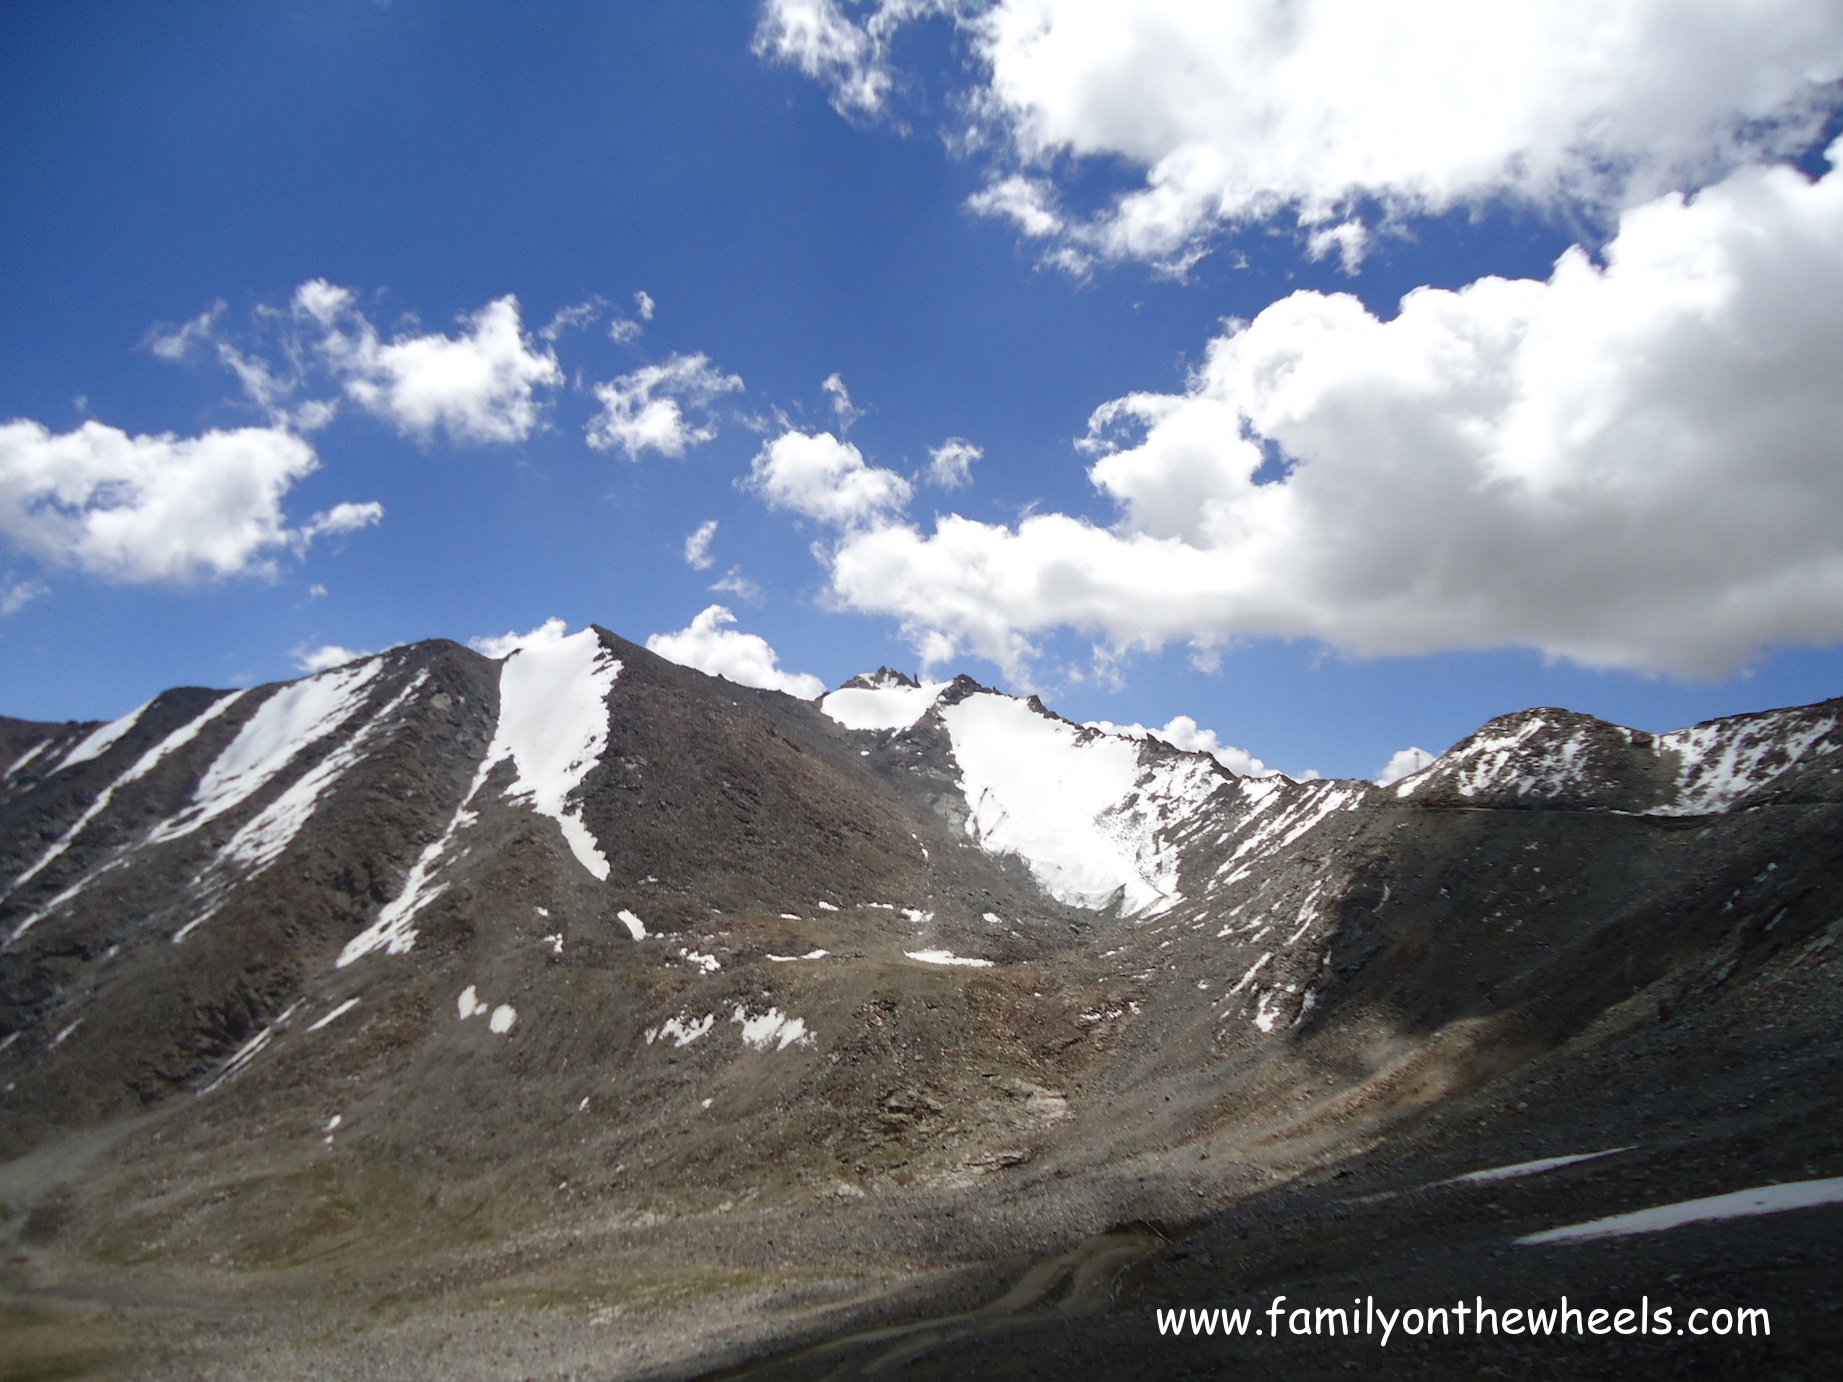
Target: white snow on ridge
27,757
100,740
1716,764
1302,808
1723,761
892,705
553,725
1498,762
262,839
1739,1204
293,718
1086,811
142,766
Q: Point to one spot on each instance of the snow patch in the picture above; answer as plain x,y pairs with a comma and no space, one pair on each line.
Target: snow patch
291,720
1089,813
789,959
893,704
946,957
635,927
1531,1168
261,841
1722,761
100,740
142,766
773,1026
683,1030
553,725
502,1019
28,756
1739,1204
337,1012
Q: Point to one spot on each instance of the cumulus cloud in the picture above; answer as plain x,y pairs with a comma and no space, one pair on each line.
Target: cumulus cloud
343,518
1237,112
950,465
324,658
818,475
158,508
697,546
743,658
817,37
1401,763
1183,732
1631,466
646,410
496,646
480,386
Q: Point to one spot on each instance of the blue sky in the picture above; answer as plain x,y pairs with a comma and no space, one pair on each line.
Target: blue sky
1632,508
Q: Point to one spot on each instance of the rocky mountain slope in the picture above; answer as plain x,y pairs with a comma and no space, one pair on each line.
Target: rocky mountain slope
579,1015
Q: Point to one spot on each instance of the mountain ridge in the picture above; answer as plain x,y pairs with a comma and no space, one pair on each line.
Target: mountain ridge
877,1001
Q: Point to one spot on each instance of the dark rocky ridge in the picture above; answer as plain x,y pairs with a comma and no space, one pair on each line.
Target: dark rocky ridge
1536,947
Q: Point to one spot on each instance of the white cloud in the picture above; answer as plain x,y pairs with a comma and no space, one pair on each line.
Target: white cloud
739,585
574,317
325,657
478,387
1237,112
743,658
697,546
645,410
166,508
950,465
818,475
624,329
16,594
1183,732
342,518
174,343
1633,466
1029,203
842,407
816,37
271,388
1401,763
501,645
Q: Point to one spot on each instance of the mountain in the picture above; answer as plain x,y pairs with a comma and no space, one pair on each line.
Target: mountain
575,1014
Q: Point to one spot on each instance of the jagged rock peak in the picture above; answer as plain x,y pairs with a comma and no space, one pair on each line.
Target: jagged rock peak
880,680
